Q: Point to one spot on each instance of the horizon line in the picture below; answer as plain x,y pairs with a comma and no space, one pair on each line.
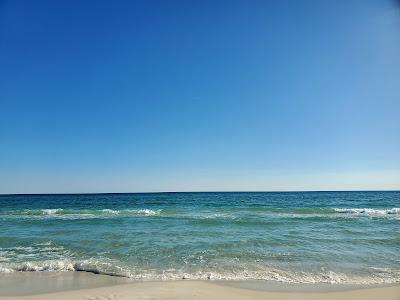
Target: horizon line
176,192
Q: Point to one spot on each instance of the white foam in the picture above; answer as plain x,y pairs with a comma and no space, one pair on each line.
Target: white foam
108,267
110,211
148,212
52,211
79,214
369,211
6,270
54,265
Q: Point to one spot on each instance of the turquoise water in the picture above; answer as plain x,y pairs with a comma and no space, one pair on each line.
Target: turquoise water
307,237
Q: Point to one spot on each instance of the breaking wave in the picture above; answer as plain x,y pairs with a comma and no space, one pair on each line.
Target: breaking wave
369,211
375,276
238,213
60,212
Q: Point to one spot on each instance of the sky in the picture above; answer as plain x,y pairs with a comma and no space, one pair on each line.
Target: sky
149,96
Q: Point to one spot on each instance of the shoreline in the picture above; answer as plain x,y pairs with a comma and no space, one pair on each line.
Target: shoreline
83,285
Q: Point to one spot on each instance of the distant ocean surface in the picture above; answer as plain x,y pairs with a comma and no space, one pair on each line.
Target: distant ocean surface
296,237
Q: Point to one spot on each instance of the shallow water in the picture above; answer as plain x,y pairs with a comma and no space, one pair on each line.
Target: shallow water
307,237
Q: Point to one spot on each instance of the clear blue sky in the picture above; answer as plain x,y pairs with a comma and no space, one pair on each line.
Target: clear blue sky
132,96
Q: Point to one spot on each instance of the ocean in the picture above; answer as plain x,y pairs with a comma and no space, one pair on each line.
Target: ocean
293,237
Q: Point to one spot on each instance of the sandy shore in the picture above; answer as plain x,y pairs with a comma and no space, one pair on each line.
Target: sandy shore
118,289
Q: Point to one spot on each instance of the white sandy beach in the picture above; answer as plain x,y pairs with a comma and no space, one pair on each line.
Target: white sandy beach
191,290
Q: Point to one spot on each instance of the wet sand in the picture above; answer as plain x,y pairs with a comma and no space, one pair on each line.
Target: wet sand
79,285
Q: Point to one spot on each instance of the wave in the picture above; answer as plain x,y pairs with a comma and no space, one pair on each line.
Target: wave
60,212
320,211
146,212
63,265
234,214
374,276
369,211
51,211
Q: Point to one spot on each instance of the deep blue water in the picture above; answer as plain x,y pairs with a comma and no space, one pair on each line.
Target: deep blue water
310,237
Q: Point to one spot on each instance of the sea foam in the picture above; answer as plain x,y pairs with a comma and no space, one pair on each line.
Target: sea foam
106,267
369,211
78,213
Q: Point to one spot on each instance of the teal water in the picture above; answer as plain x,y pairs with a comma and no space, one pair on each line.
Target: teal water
305,237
